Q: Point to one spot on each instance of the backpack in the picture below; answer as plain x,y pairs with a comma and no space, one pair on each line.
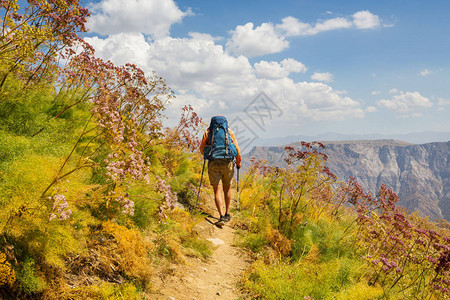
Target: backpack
220,144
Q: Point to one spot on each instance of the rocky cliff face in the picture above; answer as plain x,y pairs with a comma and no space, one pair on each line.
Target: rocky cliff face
419,174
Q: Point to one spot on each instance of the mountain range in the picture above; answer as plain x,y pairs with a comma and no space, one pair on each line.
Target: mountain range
412,137
418,173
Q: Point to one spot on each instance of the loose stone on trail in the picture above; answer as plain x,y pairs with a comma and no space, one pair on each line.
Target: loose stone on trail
216,241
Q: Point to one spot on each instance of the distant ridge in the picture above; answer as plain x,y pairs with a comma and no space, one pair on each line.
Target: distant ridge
381,142
413,138
418,173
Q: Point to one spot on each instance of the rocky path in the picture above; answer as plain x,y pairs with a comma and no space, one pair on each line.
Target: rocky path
215,278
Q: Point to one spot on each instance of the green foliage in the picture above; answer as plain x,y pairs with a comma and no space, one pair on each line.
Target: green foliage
28,279
199,247
329,236
23,184
308,278
145,211
20,115
253,241
360,291
12,148
51,242
176,237
105,291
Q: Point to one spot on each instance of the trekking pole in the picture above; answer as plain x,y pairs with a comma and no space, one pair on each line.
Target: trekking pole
237,208
199,188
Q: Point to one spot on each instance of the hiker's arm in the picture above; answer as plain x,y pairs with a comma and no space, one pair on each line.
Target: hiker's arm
238,156
204,142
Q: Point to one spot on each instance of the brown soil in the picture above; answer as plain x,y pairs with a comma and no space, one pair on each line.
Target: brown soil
216,277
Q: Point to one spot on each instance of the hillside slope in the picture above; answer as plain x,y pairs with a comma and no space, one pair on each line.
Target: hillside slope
419,174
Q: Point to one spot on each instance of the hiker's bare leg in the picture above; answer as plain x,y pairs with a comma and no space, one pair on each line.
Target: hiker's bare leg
227,194
218,198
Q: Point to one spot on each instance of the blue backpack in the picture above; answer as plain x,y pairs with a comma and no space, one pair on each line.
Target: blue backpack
220,144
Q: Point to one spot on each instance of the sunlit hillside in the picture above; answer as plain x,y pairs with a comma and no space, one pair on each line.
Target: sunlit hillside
97,197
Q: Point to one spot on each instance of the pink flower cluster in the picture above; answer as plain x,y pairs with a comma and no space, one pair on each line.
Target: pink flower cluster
189,127
398,241
119,166
108,116
263,167
127,107
127,205
33,34
170,198
60,208
301,157
124,136
115,170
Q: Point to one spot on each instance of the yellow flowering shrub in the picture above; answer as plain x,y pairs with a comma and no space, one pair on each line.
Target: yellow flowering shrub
7,274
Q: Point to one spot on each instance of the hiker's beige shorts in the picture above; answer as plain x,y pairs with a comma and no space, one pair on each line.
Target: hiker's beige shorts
220,170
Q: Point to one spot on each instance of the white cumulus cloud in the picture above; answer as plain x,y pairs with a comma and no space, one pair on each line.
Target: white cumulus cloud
324,77
365,20
394,91
404,102
426,72
267,38
216,78
371,109
322,102
202,73
291,26
275,70
153,17
443,103
332,24
121,48
262,40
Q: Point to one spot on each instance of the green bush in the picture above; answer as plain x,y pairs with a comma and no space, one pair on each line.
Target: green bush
307,277
253,241
26,276
145,207
107,291
199,247
12,148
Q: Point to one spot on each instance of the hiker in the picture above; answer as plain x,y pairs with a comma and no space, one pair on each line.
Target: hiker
219,146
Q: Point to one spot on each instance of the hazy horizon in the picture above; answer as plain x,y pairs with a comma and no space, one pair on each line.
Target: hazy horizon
413,138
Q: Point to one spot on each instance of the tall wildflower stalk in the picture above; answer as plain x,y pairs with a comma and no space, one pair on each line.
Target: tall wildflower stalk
304,175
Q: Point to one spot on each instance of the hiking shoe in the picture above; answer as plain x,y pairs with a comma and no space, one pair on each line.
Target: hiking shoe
227,217
221,221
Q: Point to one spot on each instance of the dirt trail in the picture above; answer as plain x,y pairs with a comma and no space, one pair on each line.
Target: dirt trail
215,278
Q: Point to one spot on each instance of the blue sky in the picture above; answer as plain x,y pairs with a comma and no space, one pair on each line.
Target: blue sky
352,67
